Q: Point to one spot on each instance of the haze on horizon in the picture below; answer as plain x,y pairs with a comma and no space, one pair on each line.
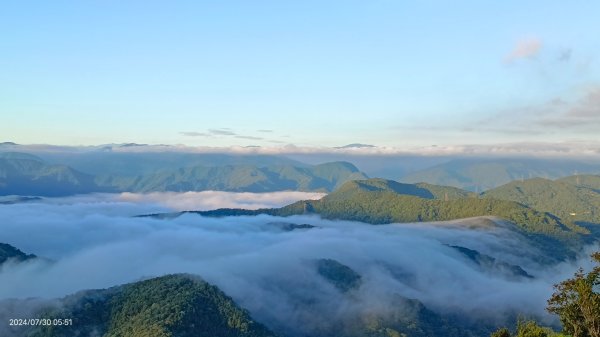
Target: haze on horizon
268,73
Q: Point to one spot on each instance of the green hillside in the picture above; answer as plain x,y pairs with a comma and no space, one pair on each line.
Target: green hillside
582,180
380,201
573,204
339,275
168,306
402,203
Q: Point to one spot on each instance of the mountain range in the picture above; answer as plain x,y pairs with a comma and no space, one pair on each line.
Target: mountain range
481,174
141,168
26,174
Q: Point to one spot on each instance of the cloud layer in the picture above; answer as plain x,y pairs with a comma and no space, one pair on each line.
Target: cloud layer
265,269
525,48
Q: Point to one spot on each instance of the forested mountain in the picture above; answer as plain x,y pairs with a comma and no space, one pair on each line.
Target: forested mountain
479,175
131,164
168,306
573,203
183,305
380,201
241,178
25,174
540,209
8,252
589,181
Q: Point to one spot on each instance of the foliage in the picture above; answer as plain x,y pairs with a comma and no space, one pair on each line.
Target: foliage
503,332
527,329
569,202
361,201
577,302
340,275
168,306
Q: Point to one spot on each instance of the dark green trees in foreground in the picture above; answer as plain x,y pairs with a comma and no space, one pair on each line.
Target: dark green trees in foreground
576,301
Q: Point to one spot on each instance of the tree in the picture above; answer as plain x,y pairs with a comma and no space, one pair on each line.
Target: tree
501,333
577,302
526,329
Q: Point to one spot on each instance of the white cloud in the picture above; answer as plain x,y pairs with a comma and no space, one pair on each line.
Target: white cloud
267,270
207,200
525,48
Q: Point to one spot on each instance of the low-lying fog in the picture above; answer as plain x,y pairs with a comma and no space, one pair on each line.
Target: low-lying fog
95,242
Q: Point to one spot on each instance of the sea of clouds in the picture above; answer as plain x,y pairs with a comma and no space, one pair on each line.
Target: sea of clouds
94,241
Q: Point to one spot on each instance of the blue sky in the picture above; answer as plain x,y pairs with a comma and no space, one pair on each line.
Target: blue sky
311,73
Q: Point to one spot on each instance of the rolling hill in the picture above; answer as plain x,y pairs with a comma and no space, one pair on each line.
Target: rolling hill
380,201
570,202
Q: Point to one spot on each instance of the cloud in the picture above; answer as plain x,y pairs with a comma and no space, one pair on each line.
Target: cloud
588,106
265,131
582,113
249,137
565,55
207,200
526,48
269,271
195,134
564,149
222,132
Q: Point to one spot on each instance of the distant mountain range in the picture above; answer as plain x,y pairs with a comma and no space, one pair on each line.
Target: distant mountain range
26,174
142,167
478,174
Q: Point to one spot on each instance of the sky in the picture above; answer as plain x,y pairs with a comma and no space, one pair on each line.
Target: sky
309,73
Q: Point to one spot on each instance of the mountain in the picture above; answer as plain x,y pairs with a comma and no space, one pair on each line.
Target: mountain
178,305
133,164
8,252
16,199
574,204
25,174
492,265
241,178
183,305
483,174
356,146
380,201
396,202
406,317
589,181
339,275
